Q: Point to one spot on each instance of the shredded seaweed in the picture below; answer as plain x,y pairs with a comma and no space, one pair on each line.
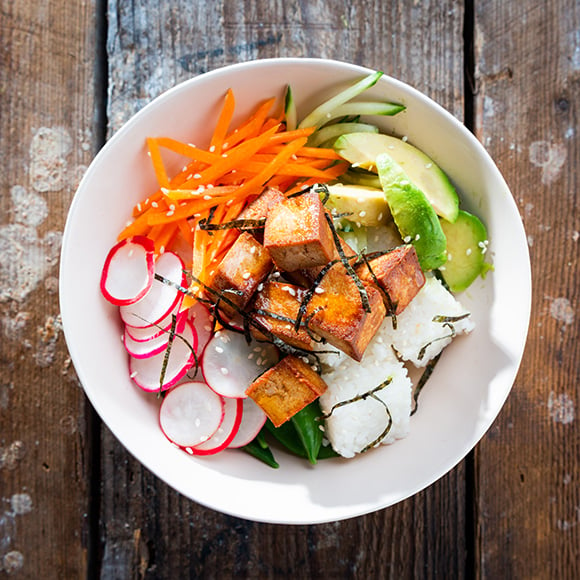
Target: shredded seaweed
423,380
442,318
362,397
167,352
350,270
310,293
239,224
426,346
392,310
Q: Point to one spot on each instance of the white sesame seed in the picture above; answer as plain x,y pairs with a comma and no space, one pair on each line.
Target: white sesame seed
362,213
417,237
219,349
251,356
164,191
133,374
468,252
207,197
224,371
319,290
172,207
170,213
380,216
225,145
260,287
407,239
212,148
404,138
259,361
197,176
428,165
154,204
246,275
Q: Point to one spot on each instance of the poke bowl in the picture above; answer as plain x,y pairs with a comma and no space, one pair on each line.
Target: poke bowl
467,386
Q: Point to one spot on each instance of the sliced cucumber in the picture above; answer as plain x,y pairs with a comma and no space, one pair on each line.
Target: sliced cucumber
466,248
414,216
330,133
319,116
290,110
362,149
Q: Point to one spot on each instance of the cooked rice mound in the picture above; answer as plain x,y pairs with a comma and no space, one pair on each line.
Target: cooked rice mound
356,425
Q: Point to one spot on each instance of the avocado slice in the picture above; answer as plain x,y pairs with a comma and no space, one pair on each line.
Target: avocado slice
362,149
412,213
365,206
466,248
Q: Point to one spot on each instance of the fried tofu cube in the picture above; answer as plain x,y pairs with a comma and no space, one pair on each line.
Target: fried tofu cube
261,206
337,314
286,388
283,301
244,267
398,274
311,273
297,233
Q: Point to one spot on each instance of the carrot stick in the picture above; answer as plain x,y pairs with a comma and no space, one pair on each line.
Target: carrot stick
285,136
307,152
251,127
223,123
157,161
187,150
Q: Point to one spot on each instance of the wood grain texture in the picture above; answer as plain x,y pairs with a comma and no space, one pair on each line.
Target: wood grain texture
528,92
147,529
46,131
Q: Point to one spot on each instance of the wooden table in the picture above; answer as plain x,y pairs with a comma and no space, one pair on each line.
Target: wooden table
74,504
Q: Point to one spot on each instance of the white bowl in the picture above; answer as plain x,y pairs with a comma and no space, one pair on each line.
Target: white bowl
462,398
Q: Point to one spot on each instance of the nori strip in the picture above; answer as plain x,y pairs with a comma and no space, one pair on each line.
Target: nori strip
240,224
350,270
442,318
426,346
167,352
392,306
423,380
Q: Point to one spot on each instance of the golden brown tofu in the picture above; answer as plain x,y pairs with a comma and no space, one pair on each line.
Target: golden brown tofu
282,300
297,233
286,388
336,312
246,264
398,274
260,207
310,274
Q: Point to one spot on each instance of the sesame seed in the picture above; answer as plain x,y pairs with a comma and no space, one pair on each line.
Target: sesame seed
246,275
154,204
225,145
162,250
189,450
197,176
207,197
164,191
224,154
257,349
133,374
219,349
224,371
407,239
170,213
428,165
468,252
172,207
380,217
319,290
212,148
417,237
404,138
251,356
362,213
253,250
259,361
138,207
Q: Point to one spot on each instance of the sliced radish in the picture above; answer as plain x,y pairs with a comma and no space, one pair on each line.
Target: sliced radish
153,330
128,271
146,372
190,413
203,322
161,298
230,365
253,419
157,344
233,409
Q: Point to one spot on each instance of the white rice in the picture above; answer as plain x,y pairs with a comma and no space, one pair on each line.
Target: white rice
419,336
354,426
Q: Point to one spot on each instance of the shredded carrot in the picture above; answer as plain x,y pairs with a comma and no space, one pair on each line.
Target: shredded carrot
223,123
222,179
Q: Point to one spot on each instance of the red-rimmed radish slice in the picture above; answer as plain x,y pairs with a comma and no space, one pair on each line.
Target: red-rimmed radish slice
253,419
230,365
203,323
153,330
128,271
146,372
161,298
190,414
225,433
157,344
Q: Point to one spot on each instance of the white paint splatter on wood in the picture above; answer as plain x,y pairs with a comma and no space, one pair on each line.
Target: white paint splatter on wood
48,158
11,455
21,503
12,562
561,408
561,310
550,157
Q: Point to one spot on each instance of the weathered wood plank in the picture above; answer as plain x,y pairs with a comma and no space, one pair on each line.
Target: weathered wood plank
46,131
528,91
148,530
